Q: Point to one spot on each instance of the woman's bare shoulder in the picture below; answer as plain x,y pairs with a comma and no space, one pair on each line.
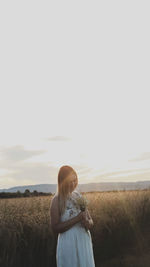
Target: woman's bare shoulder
55,196
54,199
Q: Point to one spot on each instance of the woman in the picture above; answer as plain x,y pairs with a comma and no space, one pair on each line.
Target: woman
74,244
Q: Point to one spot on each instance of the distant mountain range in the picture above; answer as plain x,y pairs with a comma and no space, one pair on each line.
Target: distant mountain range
108,186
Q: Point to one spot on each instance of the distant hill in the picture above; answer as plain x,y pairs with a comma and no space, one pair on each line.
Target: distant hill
46,188
108,186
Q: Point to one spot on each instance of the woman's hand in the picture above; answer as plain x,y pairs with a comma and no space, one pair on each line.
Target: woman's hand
82,215
86,221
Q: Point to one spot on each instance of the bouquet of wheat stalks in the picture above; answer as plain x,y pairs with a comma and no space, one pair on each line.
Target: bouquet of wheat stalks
82,204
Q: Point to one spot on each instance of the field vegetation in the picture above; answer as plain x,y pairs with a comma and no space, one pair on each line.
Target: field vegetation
120,236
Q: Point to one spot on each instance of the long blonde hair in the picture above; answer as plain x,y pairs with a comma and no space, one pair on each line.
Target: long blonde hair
62,186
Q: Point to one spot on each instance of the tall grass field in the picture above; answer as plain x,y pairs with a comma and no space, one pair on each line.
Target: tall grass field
120,235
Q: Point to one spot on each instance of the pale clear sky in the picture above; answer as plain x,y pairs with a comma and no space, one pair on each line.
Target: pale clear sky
75,82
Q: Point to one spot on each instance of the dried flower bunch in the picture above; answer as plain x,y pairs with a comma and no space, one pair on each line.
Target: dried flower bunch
82,203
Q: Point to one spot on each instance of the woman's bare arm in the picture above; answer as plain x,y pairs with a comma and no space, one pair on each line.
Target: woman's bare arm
57,226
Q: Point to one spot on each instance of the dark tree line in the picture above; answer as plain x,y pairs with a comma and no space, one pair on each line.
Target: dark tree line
26,193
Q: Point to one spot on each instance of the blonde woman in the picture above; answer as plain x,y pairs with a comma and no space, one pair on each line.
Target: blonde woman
74,243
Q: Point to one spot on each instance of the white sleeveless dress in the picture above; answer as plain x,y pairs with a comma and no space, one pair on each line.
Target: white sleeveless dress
74,246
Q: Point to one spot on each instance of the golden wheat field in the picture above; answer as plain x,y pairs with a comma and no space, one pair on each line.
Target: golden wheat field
120,235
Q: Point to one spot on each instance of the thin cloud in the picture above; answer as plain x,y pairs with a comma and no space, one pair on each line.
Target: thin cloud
143,156
58,138
82,169
36,172
12,155
145,176
33,173
123,175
